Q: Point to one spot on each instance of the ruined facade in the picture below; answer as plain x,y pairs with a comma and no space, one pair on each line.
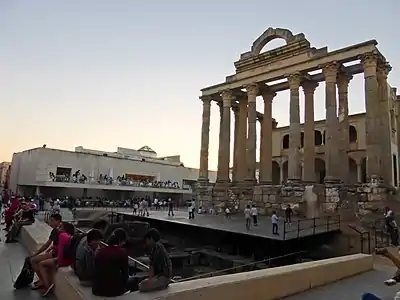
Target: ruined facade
299,154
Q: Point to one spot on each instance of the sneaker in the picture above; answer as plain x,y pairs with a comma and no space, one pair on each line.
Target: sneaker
48,290
390,282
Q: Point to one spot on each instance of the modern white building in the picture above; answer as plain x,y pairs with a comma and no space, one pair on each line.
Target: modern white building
92,173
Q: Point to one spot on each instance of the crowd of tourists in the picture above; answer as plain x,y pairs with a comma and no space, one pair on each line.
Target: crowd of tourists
78,177
103,266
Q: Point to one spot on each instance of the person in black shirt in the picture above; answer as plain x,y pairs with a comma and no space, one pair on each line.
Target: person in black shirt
288,215
111,269
160,271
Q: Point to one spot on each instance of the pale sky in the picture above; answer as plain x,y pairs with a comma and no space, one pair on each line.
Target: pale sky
103,74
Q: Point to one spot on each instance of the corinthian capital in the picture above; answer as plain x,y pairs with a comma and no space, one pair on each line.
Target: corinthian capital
252,90
330,71
227,97
343,81
369,60
267,95
294,80
309,86
206,100
383,69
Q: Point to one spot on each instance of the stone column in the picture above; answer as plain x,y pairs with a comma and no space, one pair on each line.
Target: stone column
385,132
252,92
309,132
205,139
242,140
294,168
220,146
225,136
265,167
359,172
332,125
398,129
343,118
235,145
373,118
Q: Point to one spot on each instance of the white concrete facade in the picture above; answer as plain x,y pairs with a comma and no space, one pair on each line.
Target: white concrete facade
32,168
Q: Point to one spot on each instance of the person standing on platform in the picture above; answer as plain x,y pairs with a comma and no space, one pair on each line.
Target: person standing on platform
275,221
170,207
190,211
254,214
288,215
247,216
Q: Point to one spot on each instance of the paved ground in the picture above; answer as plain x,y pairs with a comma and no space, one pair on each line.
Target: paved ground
237,224
352,288
11,260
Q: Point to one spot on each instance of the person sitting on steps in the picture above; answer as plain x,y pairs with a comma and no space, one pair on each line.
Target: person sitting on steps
160,271
48,249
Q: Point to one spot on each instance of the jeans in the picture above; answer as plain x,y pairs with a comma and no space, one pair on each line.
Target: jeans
369,296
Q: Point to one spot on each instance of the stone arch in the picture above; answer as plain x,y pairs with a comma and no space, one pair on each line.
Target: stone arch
319,170
285,141
352,171
318,138
276,173
352,134
271,34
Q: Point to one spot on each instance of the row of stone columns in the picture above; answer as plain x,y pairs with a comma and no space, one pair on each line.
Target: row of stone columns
336,140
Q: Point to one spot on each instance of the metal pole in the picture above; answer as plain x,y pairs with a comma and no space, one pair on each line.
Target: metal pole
314,226
298,228
284,230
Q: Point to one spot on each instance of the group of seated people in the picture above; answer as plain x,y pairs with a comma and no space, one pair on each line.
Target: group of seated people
18,214
104,267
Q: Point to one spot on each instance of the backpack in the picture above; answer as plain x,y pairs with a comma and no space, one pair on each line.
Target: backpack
25,278
69,252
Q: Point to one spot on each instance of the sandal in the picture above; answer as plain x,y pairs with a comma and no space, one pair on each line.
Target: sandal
48,290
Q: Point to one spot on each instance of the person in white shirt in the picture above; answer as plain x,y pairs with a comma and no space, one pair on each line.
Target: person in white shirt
247,216
227,213
274,221
190,211
254,214
57,206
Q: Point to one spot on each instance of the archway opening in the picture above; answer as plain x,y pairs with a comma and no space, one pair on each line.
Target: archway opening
323,138
276,173
285,171
273,43
302,139
285,142
353,175
352,134
319,170
317,138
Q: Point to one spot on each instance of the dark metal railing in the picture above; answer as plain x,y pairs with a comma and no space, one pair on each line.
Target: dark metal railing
310,226
371,238
233,270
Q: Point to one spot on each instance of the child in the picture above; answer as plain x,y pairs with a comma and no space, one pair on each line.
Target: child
228,213
254,214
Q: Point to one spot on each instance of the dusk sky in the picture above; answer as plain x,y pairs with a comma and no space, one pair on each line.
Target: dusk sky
102,74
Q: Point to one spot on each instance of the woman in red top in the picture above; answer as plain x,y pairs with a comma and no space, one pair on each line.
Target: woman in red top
48,267
9,213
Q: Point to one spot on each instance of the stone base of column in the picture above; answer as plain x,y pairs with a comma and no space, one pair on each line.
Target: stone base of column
331,180
204,194
265,182
290,181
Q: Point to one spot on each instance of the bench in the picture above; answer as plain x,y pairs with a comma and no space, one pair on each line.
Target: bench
267,284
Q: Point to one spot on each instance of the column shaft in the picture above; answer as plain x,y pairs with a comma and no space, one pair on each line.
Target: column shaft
252,91
265,168
242,140
294,167
309,132
220,144
332,124
359,173
343,119
385,134
205,139
236,145
226,136
372,125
